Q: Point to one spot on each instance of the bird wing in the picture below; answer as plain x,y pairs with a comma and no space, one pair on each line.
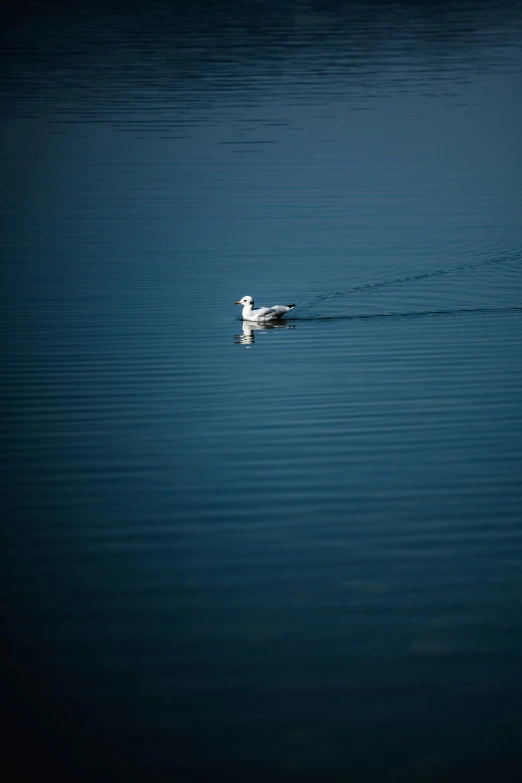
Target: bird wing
280,310
265,311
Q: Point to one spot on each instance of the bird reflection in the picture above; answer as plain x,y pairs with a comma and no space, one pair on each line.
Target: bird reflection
249,327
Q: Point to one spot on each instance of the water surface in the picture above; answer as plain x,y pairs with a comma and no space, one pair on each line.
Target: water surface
238,553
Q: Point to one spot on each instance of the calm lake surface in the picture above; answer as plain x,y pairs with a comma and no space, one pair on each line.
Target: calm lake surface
246,554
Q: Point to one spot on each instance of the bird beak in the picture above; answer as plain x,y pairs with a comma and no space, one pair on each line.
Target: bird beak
237,302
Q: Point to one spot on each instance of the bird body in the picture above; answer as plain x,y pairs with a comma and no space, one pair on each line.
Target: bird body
262,314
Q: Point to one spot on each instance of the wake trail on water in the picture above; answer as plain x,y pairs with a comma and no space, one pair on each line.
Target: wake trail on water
489,285
412,314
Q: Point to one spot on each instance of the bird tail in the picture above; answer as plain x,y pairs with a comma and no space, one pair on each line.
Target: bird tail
293,305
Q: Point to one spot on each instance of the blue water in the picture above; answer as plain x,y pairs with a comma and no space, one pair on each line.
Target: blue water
240,553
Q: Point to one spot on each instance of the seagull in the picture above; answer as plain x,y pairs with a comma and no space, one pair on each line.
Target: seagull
263,314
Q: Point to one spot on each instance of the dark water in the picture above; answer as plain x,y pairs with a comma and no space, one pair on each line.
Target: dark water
235,553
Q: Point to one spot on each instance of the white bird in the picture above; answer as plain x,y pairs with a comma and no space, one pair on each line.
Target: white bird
263,314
